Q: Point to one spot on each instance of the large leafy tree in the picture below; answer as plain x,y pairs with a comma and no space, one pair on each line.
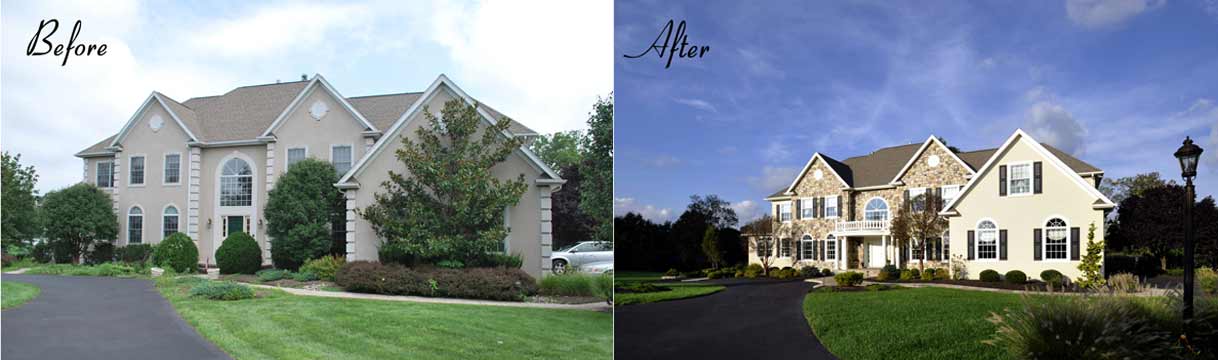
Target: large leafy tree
18,210
1120,188
918,222
299,212
448,205
559,150
571,224
689,229
596,193
82,215
640,244
1150,223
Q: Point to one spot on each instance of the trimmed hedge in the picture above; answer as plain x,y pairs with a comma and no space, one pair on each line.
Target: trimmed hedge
849,278
325,266
239,254
928,275
809,272
101,252
1052,277
990,276
469,283
136,253
907,275
177,252
1016,277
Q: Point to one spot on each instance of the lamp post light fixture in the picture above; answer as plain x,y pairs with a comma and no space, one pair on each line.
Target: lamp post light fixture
1188,154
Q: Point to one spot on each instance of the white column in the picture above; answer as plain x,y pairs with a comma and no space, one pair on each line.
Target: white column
547,239
884,246
116,184
270,167
349,195
84,177
192,197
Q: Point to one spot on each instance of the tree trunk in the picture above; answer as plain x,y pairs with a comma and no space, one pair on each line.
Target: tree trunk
1163,262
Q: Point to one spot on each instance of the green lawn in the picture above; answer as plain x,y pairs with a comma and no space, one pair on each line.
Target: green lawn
679,291
636,276
283,326
13,294
907,323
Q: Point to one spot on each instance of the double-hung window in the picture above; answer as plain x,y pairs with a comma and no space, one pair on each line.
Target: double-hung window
807,209
169,222
831,207
296,155
831,248
340,156
917,199
786,248
173,169
987,240
806,248
137,170
763,247
135,226
105,174
1057,237
950,193
1020,179
784,211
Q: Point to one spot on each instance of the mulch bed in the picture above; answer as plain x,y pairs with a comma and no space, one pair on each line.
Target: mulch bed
1029,286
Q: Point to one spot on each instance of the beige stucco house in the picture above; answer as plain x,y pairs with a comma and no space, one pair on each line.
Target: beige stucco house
1021,206
204,166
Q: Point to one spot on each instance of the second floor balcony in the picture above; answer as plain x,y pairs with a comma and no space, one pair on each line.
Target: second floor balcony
862,227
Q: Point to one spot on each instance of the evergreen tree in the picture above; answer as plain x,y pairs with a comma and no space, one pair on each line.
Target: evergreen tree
710,247
1090,265
299,211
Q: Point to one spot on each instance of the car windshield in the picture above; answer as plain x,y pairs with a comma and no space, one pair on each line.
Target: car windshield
568,247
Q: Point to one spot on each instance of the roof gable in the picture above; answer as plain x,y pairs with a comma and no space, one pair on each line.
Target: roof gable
835,170
930,141
157,98
318,82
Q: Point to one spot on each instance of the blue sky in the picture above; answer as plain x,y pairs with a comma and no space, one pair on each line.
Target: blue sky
1117,83
543,63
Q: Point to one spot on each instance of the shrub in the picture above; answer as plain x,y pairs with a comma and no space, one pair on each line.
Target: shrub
41,252
272,274
638,287
906,275
239,254
673,272
325,266
1052,277
1175,272
78,216
304,276
990,276
826,272
299,210
135,253
1016,277
1208,280
177,252
752,271
514,261
105,269
451,264
602,287
809,272
849,278
928,275
102,252
716,274
63,251
1126,283
468,283
915,274
221,290
889,272
785,273
7,259
567,284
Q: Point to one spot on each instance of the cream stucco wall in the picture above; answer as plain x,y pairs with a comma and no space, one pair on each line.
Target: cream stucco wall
300,129
1019,215
154,195
209,210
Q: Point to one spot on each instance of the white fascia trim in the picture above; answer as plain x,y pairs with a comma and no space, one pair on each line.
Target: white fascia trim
926,144
1091,173
550,181
418,106
345,186
226,143
876,187
308,89
122,134
95,154
809,166
1044,153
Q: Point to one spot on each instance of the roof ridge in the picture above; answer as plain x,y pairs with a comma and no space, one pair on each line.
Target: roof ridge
380,95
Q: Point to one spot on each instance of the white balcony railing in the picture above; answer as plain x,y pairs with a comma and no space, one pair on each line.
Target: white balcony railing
862,226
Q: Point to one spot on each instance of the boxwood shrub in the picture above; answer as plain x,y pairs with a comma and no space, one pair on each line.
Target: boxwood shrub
928,275
752,271
888,273
1052,277
239,254
906,275
826,272
1016,277
809,272
990,276
849,278
325,266
468,283
177,252
135,253
221,290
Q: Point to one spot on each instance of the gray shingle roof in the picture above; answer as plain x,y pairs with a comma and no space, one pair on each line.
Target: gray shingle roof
100,146
246,112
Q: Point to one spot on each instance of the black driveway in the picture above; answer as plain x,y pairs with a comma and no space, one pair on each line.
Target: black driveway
98,318
748,320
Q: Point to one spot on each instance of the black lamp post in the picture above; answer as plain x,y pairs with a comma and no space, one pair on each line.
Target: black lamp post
1188,155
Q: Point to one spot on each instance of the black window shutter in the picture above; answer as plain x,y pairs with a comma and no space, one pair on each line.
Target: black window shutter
947,251
1002,180
1036,183
839,206
798,245
798,207
820,207
1002,244
1074,248
939,195
971,247
939,249
814,255
777,211
1036,244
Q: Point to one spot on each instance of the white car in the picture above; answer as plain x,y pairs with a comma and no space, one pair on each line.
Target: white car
597,268
579,254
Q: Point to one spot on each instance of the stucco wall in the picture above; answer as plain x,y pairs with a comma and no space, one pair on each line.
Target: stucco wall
300,129
154,195
1019,215
209,210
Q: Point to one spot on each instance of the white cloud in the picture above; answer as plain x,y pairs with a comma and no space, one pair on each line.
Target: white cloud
775,152
755,61
273,29
697,104
621,206
1052,124
1096,14
748,210
773,178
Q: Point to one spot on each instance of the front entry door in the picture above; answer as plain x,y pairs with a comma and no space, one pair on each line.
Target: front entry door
234,224
875,255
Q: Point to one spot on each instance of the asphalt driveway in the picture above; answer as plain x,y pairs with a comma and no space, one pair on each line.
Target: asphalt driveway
98,318
748,320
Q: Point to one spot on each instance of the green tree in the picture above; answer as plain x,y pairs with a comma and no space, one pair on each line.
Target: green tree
448,206
83,214
299,211
19,220
710,247
1091,261
596,194
559,150
917,225
1119,189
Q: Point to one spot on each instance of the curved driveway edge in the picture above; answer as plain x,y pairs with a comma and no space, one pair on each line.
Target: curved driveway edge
750,319
79,317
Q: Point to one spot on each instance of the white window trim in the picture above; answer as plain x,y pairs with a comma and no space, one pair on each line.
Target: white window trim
790,248
830,249
143,224
837,208
912,195
1011,179
806,203
790,210
805,247
977,242
97,170
887,208
178,215
945,187
164,160
352,160
131,168
1044,241
286,165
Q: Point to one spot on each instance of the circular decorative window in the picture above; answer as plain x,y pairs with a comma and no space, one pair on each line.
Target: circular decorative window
818,174
933,160
156,123
318,110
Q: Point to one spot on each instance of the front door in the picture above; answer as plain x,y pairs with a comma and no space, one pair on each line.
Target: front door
234,224
875,255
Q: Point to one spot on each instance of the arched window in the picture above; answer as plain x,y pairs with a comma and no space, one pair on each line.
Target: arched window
830,248
1057,234
876,210
987,240
806,247
169,221
236,183
135,225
